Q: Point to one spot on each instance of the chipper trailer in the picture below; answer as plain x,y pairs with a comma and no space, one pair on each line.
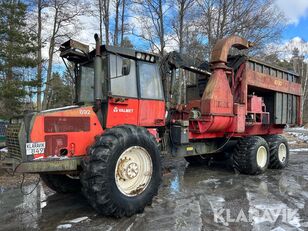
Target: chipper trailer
126,117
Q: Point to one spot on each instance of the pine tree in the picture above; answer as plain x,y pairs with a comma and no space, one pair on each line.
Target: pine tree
60,92
17,52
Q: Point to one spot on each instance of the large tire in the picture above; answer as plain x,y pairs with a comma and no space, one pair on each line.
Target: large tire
106,170
198,160
279,151
251,155
61,183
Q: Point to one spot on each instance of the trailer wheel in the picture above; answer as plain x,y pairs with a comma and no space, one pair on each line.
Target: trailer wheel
61,183
198,160
122,172
251,155
279,151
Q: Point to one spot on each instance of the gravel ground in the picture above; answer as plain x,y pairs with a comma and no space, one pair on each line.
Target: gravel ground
190,198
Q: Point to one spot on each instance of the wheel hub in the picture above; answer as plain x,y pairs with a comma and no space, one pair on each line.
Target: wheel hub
282,152
127,169
262,156
133,171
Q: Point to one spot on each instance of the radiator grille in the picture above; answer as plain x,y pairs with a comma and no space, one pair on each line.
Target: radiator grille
12,140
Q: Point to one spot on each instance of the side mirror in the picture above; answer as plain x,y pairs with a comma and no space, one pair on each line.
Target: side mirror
126,66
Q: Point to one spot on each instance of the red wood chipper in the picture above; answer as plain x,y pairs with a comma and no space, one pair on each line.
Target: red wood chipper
129,112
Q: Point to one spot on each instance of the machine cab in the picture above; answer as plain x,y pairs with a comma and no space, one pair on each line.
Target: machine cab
132,91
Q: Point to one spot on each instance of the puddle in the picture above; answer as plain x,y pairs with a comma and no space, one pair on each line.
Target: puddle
187,200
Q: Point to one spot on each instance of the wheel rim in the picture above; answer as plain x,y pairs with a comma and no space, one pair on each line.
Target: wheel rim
282,152
261,156
133,171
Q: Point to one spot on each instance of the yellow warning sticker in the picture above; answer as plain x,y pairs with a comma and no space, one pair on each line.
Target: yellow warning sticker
189,148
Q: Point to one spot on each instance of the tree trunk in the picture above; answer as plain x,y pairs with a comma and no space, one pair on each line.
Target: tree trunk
305,76
122,22
116,27
162,29
106,20
100,21
50,61
39,57
181,30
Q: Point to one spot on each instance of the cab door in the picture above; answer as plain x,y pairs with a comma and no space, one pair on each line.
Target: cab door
151,104
123,104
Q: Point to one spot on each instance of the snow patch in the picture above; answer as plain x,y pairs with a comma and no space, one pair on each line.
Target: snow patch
3,150
79,219
216,181
64,226
300,136
299,150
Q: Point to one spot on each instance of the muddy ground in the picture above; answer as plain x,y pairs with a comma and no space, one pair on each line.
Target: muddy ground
191,198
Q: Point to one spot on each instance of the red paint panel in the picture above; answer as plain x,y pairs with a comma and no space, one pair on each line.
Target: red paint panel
151,113
260,129
239,121
271,83
122,111
217,97
254,104
80,140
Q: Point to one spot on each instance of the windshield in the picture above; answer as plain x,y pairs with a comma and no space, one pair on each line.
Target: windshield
150,81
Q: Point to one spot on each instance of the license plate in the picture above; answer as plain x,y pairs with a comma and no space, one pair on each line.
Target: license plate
35,148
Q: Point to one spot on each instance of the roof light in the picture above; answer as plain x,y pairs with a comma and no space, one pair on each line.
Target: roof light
138,55
145,57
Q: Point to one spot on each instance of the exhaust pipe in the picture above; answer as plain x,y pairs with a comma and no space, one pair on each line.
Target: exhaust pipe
98,74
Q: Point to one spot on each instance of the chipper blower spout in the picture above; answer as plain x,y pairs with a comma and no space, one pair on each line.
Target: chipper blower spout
217,98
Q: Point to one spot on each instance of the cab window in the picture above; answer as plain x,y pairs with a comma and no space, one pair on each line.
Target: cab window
123,76
86,84
150,81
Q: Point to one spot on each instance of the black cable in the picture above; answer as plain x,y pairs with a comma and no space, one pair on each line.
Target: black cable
13,173
221,147
23,179
21,186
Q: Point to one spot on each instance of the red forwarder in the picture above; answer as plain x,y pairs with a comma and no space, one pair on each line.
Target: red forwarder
109,144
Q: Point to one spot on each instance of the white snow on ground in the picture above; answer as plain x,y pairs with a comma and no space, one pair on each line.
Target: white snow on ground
299,150
3,150
301,133
79,219
74,221
300,136
64,226
299,128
